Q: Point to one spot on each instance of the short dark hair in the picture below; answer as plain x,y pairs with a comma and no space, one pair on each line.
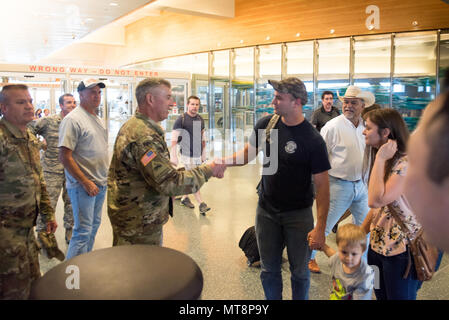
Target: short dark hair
10,87
147,85
194,98
61,98
326,93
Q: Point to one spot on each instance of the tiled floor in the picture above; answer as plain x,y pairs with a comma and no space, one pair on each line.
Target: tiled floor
212,241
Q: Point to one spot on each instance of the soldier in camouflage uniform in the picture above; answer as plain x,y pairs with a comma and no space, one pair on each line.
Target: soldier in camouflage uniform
141,180
48,127
23,195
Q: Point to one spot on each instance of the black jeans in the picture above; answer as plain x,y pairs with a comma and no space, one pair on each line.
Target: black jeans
392,286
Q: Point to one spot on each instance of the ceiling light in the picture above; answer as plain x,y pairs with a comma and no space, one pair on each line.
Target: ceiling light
332,31
298,34
267,38
113,4
415,23
241,41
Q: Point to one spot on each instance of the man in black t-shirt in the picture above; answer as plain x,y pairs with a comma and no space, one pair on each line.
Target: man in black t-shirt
188,132
293,153
327,111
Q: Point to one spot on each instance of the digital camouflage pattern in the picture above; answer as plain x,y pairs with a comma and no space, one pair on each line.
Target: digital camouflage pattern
48,128
22,195
141,180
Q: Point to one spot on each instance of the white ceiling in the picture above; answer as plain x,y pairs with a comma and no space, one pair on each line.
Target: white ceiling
83,32
33,29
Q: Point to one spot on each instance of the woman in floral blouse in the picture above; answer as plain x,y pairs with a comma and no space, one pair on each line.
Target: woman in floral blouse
386,137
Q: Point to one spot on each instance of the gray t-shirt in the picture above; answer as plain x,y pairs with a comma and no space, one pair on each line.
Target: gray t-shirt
85,135
356,286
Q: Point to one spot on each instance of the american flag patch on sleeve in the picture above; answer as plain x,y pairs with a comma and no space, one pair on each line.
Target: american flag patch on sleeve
146,159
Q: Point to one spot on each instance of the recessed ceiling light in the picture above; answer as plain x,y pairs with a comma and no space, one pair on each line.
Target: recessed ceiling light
332,31
298,34
267,38
241,41
113,4
415,23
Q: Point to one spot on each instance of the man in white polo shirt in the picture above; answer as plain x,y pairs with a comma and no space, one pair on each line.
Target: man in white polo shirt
83,150
346,146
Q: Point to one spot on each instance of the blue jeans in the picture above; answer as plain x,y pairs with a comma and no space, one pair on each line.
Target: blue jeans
391,270
87,217
345,195
273,232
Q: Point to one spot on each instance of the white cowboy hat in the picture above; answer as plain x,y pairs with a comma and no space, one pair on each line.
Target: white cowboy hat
355,92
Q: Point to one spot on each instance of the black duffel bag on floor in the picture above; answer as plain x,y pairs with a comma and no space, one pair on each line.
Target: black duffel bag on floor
248,244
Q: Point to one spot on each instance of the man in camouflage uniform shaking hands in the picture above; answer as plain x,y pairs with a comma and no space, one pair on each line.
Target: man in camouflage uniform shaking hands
141,179
23,195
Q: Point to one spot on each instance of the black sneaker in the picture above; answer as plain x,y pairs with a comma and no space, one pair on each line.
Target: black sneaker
186,202
203,208
335,228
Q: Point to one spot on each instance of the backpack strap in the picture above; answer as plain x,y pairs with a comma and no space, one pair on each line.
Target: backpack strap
273,121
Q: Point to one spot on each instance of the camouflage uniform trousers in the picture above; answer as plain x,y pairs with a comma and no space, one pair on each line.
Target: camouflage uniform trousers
19,263
151,235
56,182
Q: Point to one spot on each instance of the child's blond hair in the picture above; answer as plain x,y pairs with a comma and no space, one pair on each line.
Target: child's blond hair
351,234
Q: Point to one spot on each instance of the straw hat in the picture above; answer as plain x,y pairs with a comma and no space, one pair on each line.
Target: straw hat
355,92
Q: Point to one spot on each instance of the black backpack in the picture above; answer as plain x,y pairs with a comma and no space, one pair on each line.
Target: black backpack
248,244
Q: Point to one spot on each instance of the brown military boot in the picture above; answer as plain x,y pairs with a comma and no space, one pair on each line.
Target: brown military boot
313,266
68,235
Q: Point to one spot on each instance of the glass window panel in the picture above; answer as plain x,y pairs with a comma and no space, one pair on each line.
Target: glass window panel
333,68
300,65
444,56
221,63
270,60
242,94
300,59
264,96
415,69
333,58
244,64
269,69
372,55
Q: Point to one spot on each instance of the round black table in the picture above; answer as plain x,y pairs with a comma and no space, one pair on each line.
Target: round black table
121,273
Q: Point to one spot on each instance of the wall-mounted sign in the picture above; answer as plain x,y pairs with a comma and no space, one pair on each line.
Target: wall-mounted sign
373,20
95,71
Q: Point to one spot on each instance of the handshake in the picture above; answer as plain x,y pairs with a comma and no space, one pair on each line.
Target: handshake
218,167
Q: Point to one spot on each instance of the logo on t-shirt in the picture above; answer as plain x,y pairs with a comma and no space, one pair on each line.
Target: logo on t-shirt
291,147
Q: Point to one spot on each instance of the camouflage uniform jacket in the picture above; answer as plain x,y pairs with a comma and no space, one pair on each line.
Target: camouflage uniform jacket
141,178
48,127
23,192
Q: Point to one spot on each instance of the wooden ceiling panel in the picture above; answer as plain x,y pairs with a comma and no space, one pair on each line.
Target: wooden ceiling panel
172,34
